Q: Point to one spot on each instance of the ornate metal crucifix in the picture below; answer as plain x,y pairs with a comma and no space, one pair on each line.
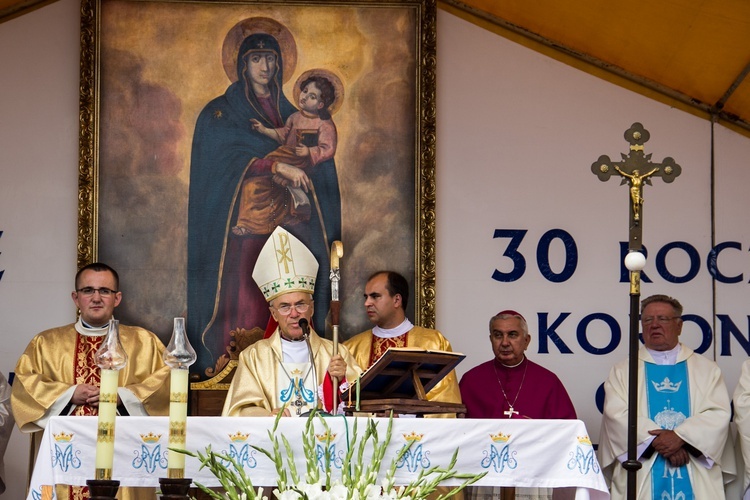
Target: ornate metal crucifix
635,169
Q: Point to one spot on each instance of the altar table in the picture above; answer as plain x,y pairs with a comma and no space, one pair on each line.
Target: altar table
534,453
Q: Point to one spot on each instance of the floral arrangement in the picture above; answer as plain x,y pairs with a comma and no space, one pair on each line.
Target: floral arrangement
358,480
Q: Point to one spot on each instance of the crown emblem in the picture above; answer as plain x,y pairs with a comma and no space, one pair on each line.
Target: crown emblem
584,440
500,437
238,437
413,437
668,418
325,437
667,385
296,371
150,438
63,437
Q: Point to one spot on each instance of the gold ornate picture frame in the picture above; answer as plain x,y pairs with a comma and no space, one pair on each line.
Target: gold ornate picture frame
154,77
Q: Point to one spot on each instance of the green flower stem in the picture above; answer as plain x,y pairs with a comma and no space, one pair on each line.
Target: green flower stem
346,473
293,475
359,475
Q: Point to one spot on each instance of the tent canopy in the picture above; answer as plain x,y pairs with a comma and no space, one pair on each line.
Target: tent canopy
694,54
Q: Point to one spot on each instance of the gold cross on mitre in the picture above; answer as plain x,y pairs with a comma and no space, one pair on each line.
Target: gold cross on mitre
636,169
283,251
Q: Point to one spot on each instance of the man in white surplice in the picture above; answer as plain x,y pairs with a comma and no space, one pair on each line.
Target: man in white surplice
683,414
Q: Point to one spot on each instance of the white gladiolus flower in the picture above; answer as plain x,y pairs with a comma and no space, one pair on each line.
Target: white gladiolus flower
314,491
287,495
339,492
357,480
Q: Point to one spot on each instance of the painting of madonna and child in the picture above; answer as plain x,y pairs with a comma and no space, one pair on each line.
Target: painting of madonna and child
220,122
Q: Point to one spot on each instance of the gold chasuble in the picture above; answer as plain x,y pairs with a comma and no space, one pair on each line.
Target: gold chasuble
261,383
367,348
61,358
380,345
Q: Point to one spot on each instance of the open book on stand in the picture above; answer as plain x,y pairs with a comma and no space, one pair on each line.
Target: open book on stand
400,381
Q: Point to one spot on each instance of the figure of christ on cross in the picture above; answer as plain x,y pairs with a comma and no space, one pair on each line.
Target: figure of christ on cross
636,188
668,170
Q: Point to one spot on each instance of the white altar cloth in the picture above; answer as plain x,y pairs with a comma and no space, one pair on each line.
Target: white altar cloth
534,453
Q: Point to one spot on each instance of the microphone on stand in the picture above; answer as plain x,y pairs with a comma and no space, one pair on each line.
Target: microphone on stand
305,325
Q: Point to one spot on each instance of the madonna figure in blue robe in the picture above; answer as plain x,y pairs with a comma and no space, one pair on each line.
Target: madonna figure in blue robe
227,157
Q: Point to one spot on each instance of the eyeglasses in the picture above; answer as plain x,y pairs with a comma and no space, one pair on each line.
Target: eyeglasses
662,320
286,309
88,291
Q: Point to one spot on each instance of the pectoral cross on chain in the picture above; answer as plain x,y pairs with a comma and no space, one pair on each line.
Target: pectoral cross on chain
510,412
298,404
636,169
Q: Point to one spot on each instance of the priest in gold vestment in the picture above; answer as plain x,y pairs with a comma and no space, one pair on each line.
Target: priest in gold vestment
292,371
57,373
386,297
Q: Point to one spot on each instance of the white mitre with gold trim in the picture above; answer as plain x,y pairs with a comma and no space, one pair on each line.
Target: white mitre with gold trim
285,265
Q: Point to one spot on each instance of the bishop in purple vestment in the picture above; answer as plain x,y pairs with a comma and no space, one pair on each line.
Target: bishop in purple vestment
510,385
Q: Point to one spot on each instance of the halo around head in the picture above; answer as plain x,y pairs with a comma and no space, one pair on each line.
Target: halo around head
253,25
338,86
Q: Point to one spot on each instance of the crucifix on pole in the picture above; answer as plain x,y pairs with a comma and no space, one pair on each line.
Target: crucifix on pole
636,170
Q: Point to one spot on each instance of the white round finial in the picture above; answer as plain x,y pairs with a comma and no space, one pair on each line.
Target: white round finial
635,261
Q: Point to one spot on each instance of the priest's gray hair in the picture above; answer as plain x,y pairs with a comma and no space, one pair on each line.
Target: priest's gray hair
665,299
509,315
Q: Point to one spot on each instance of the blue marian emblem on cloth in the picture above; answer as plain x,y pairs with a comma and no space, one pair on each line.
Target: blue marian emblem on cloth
583,457
415,456
150,457
66,454
668,406
501,459
326,450
335,458
240,451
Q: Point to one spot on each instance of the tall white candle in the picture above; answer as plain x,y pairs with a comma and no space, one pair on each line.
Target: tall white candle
105,436
177,421
110,358
179,355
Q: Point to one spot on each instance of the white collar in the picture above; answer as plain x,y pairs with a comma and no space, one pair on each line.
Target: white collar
390,333
516,365
294,352
665,357
90,331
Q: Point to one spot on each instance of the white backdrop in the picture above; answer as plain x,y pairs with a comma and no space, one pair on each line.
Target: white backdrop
517,134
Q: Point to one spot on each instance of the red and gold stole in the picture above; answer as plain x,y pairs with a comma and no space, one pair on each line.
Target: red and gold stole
85,370
380,345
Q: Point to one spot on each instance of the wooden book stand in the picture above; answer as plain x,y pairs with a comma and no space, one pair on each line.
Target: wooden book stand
400,380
